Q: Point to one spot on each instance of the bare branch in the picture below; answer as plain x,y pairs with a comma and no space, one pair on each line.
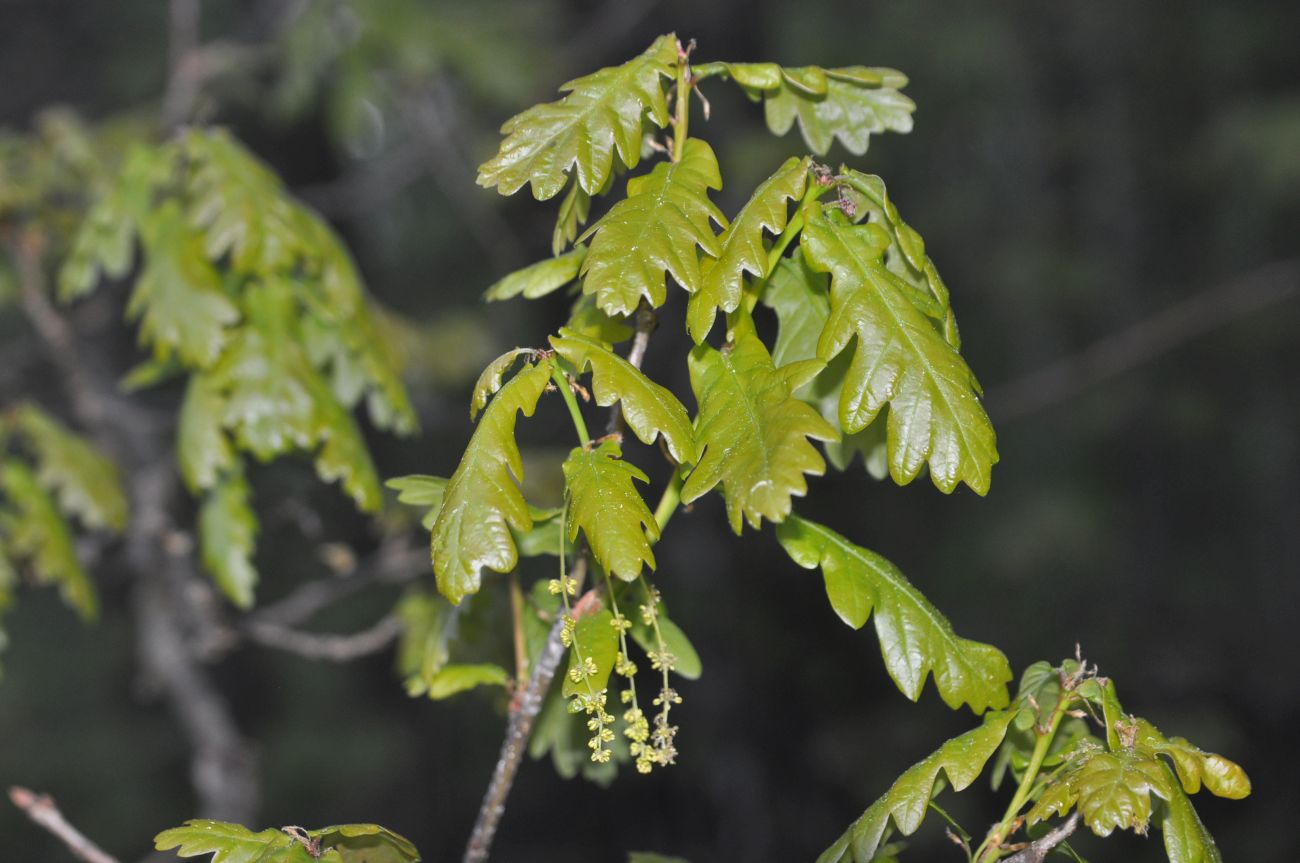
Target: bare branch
1144,341
1038,850
42,810
330,648
523,712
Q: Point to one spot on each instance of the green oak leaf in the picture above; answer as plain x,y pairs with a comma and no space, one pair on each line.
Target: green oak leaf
490,380
1221,777
232,843
594,638
605,505
1185,836
202,446
754,433
743,249
600,116
86,483
228,536
482,500
900,360
653,231
849,106
178,295
649,409
365,843
539,279
590,320
686,659
962,759
574,210
428,626
915,638
1111,790
32,529
421,491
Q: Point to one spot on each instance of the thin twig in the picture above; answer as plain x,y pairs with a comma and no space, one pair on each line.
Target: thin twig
1144,341
523,712
42,810
330,648
1038,850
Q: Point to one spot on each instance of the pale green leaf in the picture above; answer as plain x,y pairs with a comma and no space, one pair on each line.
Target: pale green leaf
752,430
490,380
590,320
202,445
832,107
482,500
596,639
653,231
915,638
743,249
33,530
86,483
605,505
227,536
1222,777
232,843
900,360
425,492
539,279
649,409
601,116
178,296
905,803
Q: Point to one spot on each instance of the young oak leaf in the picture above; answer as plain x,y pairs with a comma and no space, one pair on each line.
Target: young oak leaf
227,537
649,409
605,505
85,481
33,529
1186,839
482,501
915,639
601,114
907,800
232,843
490,380
1221,777
539,279
742,249
1111,789
754,433
849,104
653,231
901,360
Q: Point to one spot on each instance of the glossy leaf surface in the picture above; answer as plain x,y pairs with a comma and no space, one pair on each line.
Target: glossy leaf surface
539,279
606,506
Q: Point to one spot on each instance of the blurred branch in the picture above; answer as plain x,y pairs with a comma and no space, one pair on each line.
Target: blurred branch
331,648
1144,341
523,712
42,810
1038,850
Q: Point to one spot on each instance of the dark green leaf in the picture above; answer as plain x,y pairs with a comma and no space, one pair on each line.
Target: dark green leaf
905,804
915,638
601,115
605,505
687,660
753,431
482,500
653,231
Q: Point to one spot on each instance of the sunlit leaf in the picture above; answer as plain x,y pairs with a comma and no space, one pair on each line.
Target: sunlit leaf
901,360
653,231
754,433
962,759
648,408
850,108
482,500
743,249
605,505
601,115
915,638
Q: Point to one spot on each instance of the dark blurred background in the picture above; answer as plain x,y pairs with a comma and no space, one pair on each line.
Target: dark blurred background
1112,192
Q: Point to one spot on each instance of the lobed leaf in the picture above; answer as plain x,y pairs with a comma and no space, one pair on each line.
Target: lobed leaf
539,279
203,448
649,409
32,529
900,360
905,803
365,843
601,117
1222,777
752,430
86,483
1111,790
227,537
653,231
915,639
232,843
482,501
605,505
742,247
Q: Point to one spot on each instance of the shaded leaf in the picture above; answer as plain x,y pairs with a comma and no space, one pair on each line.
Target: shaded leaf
915,638
601,116
227,536
1186,839
605,505
687,661
905,803
648,408
653,231
539,279
590,320
86,483
202,445
573,214
743,248
421,491
752,430
365,843
32,529
593,638
900,360
482,501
